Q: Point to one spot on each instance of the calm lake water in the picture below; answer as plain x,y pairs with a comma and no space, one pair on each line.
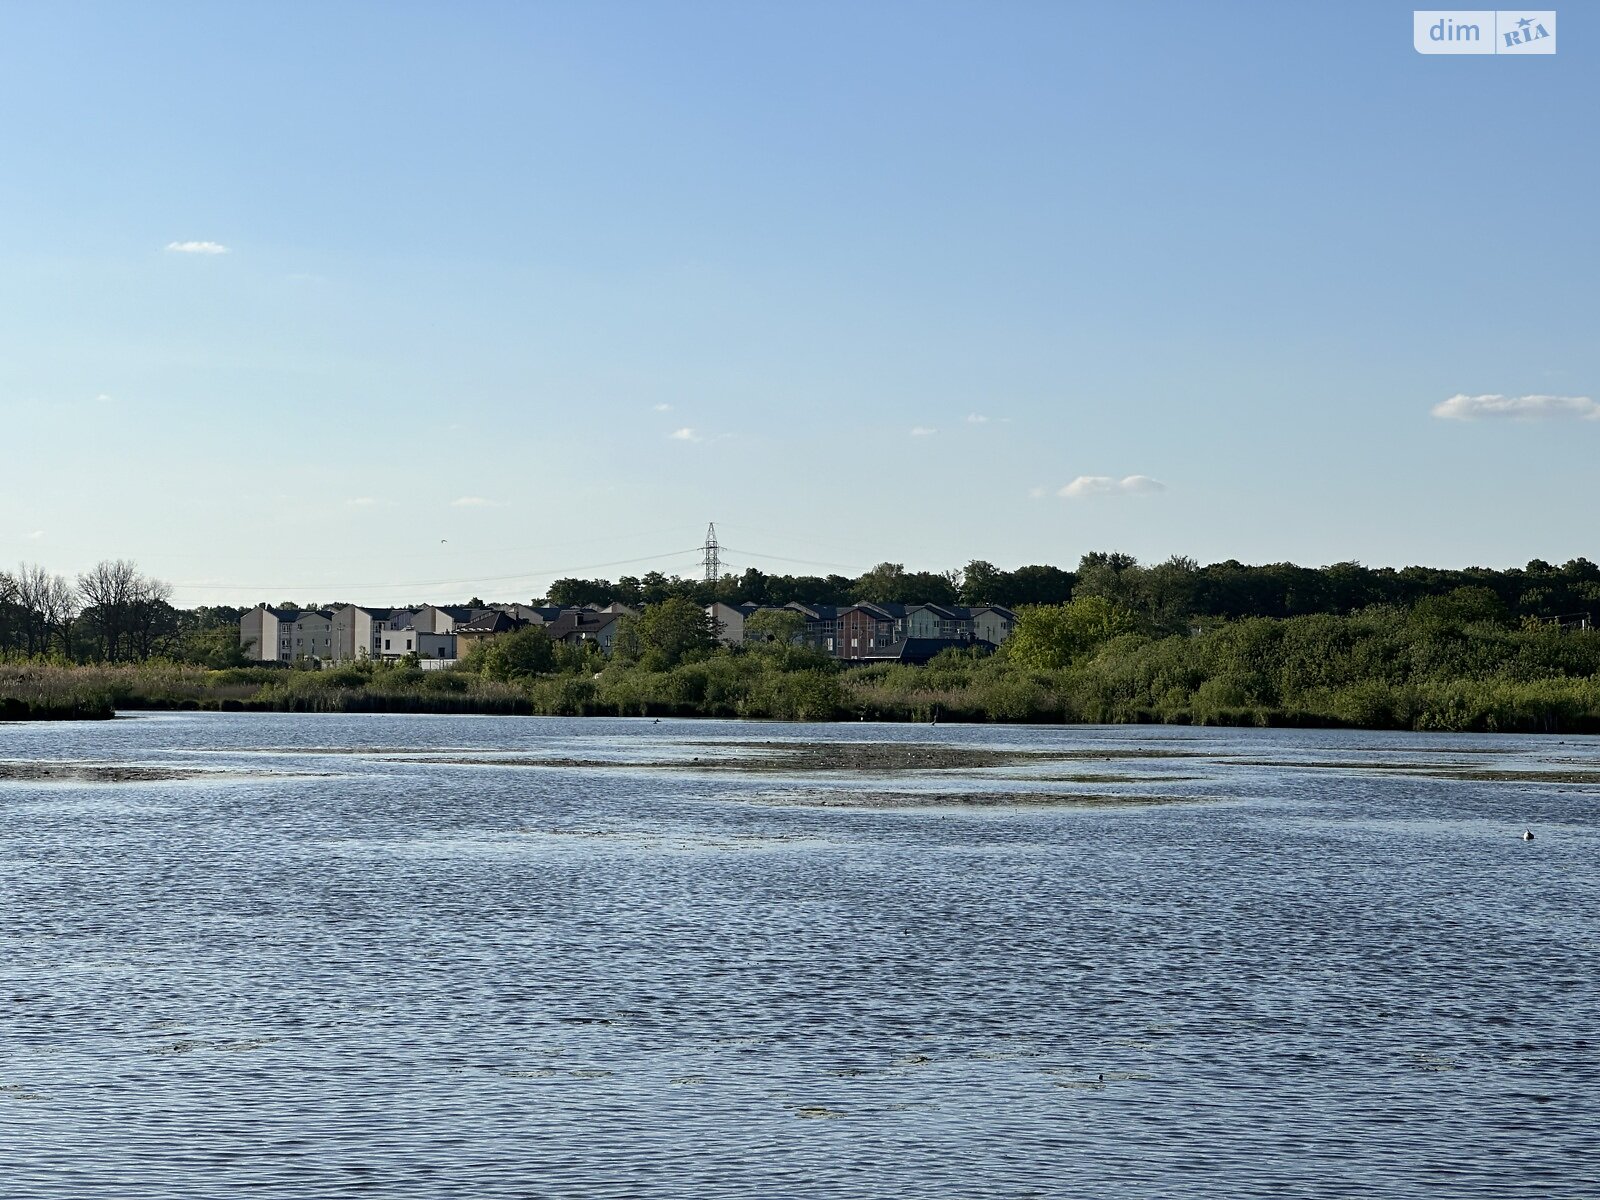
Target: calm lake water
1332,969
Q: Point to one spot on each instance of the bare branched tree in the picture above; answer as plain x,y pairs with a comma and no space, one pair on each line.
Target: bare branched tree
109,589
33,584
60,606
152,619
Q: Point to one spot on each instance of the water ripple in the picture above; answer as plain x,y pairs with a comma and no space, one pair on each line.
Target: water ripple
398,978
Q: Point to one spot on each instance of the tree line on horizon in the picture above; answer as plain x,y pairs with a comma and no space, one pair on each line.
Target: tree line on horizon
115,613
1168,595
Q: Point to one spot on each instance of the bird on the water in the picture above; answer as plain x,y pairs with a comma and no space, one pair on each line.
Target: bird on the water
1527,835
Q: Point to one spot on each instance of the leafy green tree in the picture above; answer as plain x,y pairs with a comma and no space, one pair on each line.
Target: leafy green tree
884,584
981,583
752,587
774,626
577,658
1047,637
216,647
1459,608
519,655
664,635
575,593
1167,592
1036,584
929,587
656,587
1115,577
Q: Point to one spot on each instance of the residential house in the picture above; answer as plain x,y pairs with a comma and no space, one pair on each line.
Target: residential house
442,618
863,627
992,623
822,625
933,621
727,620
397,643
487,626
535,615
576,626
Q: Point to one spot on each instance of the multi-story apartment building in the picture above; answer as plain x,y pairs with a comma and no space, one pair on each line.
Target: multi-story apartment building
286,634
358,630
266,634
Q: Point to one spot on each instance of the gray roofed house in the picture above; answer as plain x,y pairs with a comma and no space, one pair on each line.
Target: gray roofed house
443,618
576,626
488,625
492,622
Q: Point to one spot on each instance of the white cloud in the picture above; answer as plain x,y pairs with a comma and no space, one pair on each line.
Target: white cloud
104,398
1471,408
923,431
473,502
1088,485
663,408
368,501
977,419
1141,483
1105,485
197,248
36,535
1038,493
685,435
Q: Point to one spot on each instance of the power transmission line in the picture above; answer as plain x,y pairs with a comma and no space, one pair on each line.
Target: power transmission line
407,583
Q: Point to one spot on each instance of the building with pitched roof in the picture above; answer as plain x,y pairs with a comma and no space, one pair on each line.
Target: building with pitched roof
577,626
487,626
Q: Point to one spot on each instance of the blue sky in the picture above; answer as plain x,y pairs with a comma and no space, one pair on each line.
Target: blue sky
895,275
